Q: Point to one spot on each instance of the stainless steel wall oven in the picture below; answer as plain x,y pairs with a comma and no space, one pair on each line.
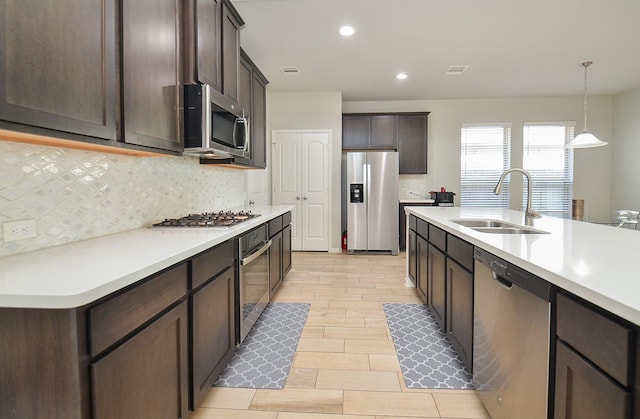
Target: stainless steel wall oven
253,278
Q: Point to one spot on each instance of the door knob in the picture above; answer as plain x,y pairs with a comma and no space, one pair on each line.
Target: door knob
305,198
297,197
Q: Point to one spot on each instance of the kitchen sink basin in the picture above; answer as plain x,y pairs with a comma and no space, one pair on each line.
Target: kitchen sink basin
496,227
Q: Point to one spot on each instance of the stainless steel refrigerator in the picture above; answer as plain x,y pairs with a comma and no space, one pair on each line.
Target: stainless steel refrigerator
372,201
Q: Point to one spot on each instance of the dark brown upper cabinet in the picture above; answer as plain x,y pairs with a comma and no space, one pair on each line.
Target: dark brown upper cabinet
252,95
231,25
58,66
204,52
412,143
403,132
152,73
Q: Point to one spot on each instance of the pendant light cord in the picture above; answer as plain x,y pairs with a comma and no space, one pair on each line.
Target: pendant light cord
585,65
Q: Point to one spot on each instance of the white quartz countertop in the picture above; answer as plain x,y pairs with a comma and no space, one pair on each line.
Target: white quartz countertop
417,201
596,262
78,273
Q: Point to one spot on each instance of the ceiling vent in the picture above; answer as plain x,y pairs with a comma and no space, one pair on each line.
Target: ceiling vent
454,70
290,70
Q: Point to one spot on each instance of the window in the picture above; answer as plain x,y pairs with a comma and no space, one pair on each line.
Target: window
550,165
484,156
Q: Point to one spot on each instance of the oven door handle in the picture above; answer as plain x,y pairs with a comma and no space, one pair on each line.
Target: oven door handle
253,256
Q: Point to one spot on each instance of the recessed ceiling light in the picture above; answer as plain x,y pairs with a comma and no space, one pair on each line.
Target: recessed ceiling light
401,76
347,30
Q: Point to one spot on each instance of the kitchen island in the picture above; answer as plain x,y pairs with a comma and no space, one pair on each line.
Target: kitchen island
595,262
471,266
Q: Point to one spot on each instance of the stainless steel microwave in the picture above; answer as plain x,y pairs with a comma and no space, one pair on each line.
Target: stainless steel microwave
215,126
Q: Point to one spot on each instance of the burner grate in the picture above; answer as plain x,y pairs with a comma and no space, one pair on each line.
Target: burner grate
208,219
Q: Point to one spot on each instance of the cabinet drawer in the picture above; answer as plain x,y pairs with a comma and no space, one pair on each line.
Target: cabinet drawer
422,228
286,219
603,341
438,237
460,251
275,225
113,319
211,263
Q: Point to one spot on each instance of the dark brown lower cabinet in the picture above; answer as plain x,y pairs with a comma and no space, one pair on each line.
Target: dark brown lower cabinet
147,376
286,250
412,255
460,311
275,263
584,392
422,267
437,278
212,332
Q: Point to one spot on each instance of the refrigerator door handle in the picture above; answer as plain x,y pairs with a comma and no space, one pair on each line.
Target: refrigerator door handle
367,182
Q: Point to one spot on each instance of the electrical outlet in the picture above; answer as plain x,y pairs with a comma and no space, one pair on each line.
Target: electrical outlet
19,230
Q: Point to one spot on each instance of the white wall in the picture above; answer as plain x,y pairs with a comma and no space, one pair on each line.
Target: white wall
313,110
625,180
592,170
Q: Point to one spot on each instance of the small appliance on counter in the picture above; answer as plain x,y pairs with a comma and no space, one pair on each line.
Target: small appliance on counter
442,198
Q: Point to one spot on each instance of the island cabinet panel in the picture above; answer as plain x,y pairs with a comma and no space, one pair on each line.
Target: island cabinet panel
152,73
58,65
444,279
147,376
584,392
412,255
603,341
437,277
595,363
460,311
422,267
402,222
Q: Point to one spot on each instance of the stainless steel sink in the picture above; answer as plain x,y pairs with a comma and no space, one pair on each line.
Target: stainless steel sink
496,226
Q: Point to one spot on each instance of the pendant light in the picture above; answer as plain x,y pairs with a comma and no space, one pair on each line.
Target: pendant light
585,139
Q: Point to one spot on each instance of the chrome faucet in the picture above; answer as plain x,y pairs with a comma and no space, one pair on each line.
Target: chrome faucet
529,213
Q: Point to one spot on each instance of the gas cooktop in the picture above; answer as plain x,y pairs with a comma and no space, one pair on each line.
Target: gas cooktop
208,219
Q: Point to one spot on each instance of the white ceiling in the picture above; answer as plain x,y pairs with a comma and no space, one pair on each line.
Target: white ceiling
514,48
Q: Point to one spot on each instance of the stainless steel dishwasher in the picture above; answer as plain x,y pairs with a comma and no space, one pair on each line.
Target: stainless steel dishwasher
511,335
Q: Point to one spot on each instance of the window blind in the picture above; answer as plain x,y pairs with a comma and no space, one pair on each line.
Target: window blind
550,165
485,154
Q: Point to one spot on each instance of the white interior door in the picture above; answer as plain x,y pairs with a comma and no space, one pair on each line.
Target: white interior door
300,178
315,191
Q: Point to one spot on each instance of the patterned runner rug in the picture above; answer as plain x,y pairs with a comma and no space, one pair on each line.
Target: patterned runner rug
426,357
264,358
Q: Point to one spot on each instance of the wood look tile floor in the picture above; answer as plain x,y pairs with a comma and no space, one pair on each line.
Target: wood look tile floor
345,365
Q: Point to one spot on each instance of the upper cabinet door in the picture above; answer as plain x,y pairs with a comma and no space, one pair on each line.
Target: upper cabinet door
208,42
152,73
57,65
412,143
231,25
383,132
355,131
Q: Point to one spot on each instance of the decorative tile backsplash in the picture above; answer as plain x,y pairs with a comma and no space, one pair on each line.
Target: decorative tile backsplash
75,195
